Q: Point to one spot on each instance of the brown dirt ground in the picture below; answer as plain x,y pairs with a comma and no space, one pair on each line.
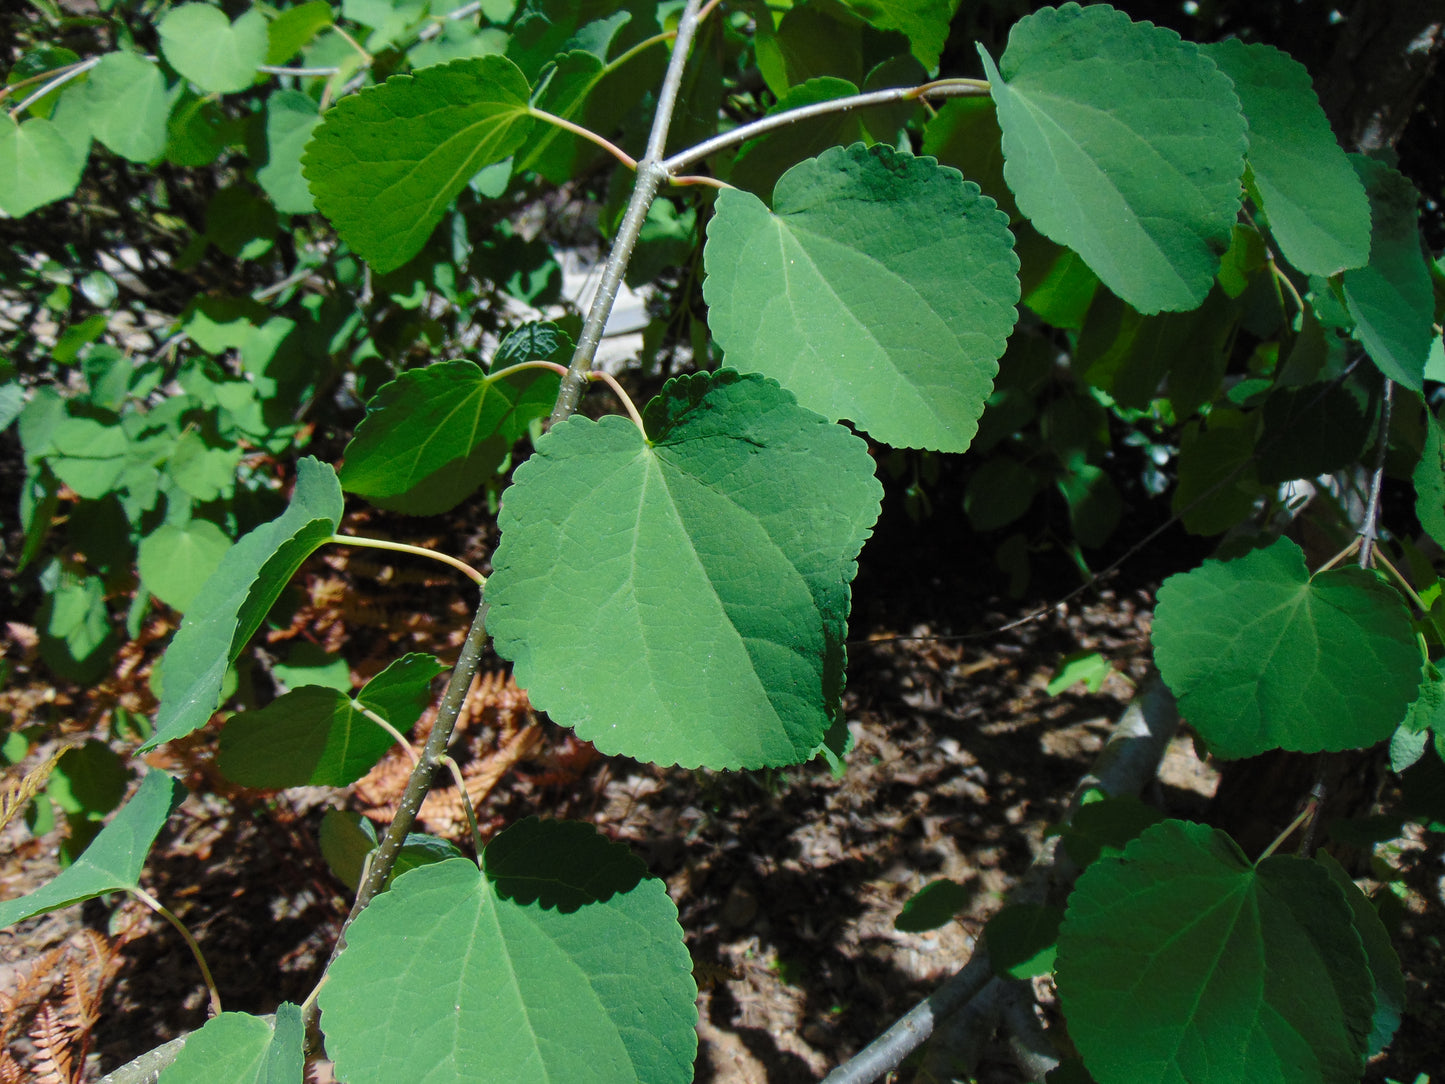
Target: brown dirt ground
787,882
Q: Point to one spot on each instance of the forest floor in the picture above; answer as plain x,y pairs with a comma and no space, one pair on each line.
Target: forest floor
787,882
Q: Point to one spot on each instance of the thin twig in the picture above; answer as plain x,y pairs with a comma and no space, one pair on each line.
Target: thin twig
161,909
942,88
417,785
418,551
281,69
1372,508
650,174
73,72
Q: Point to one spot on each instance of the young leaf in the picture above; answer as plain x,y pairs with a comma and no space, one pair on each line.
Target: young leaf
386,163
211,51
1316,204
684,598
238,1048
175,561
294,28
234,601
1124,143
317,736
561,960
113,861
291,118
127,105
1262,655
433,435
38,165
1391,298
848,292
1216,970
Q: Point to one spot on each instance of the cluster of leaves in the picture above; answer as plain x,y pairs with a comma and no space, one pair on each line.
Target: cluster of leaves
1117,229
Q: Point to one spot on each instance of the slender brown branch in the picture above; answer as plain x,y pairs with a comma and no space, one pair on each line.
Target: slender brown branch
650,175
417,785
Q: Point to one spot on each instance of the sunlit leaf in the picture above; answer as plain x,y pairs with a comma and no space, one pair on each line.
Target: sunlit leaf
238,1048
38,165
127,104
1124,143
210,50
848,292
712,560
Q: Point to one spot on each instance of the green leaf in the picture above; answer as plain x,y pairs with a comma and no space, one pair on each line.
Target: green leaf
38,165
999,492
762,161
294,28
1311,430
291,118
238,1048
1022,940
1379,954
211,51
127,105
964,133
1216,970
1316,204
1124,143
1429,479
319,736
1261,655
1057,285
234,601
386,163
433,435
1105,827
924,21
848,292
562,961
932,906
1391,298
712,559
1095,505
1218,483
176,560
1088,667
113,861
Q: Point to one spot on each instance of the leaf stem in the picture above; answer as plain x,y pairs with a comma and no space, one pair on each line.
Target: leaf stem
1368,533
611,381
417,785
1305,814
366,58
65,76
940,88
538,364
419,551
586,133
1399,579
1282,280
1344,554
396,735
461,783
161,909
650,174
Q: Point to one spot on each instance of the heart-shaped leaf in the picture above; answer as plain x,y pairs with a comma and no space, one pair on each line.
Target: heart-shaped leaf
386,163
291,118
238,1048
127,105
848,292
211,51
1124,143
562,961
684,598
1217,971
175,561
433,435
39,164
1261,655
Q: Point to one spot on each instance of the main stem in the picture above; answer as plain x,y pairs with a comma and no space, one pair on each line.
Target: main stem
650,175
383,859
